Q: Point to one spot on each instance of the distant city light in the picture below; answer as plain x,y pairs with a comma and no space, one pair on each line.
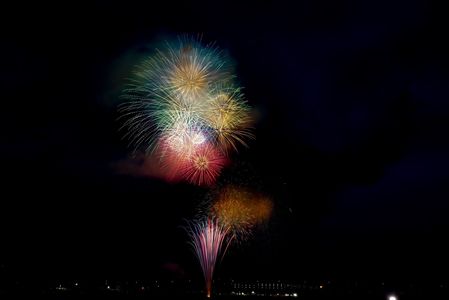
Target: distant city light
247,289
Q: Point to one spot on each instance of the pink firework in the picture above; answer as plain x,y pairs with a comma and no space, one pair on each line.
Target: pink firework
209,241
204,165
172,162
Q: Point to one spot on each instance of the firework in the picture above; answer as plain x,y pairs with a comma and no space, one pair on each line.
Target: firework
229,117
204,165
158,117
209,240
183,104
174,83
240,209
186,70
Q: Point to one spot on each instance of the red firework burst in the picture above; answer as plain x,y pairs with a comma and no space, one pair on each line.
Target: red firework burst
204,165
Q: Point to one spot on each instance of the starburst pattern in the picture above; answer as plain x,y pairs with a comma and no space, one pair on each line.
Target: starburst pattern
183,103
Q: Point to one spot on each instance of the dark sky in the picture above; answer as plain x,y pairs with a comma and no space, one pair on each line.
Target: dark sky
352,139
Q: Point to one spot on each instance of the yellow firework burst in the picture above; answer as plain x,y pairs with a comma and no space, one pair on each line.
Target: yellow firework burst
190,69
241,209
189,76
229,117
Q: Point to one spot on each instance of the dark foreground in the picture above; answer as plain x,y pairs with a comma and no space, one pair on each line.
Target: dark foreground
348,296
226,289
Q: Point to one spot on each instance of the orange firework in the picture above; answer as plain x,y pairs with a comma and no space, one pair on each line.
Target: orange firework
241,209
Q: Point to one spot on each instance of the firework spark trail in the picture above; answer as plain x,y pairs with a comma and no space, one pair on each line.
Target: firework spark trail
209,240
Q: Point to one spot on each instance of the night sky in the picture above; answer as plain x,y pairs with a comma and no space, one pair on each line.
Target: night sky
352,139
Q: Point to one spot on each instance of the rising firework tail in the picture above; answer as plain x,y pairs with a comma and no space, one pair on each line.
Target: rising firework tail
209,240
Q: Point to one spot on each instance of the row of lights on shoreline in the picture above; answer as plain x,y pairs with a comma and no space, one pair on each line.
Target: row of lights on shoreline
389,297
